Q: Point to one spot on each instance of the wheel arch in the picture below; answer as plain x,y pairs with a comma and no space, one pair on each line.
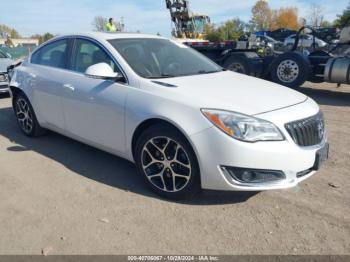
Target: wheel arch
156,121
14,92
299,54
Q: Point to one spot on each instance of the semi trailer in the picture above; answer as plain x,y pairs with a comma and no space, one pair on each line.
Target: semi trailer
290,68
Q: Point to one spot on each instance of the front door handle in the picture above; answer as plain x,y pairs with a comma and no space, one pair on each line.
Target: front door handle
69,87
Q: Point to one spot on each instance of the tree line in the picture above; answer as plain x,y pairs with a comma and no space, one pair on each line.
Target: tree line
11,33
264,18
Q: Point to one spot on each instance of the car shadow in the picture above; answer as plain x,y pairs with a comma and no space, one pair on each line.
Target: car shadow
98,165
4,95
327,97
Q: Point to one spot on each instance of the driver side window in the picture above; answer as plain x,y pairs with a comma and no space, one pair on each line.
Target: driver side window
87,54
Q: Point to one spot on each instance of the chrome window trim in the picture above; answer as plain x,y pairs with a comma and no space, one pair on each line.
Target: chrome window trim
74,37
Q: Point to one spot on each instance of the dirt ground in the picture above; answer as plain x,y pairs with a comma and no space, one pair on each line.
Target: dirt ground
67,198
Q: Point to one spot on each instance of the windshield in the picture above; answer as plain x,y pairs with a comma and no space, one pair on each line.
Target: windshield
200,23
2,55
162,58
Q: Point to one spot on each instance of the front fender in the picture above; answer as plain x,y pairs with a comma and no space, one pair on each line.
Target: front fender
142,106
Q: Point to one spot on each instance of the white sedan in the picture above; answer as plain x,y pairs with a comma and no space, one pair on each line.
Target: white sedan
185,122
306,41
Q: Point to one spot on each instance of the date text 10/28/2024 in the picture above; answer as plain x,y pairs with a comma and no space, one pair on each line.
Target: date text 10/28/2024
173,258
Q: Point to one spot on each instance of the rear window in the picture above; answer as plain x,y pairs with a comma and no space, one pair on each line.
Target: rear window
53,54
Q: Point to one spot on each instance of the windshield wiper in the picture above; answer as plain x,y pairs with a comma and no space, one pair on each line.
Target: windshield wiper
160,77
203,72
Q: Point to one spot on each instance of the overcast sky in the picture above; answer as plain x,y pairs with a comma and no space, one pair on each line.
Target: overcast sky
149,16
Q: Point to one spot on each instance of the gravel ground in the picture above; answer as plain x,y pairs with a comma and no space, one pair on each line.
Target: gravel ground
61,197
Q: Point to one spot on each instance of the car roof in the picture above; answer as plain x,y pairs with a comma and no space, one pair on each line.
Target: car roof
111,36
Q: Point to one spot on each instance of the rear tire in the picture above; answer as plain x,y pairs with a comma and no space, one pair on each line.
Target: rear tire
290,69
167,163
26,117
238,65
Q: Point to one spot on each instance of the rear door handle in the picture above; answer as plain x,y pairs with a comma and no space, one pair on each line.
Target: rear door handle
69,87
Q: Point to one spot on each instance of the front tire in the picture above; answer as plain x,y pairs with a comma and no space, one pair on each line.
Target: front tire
290,69
26,117
167,162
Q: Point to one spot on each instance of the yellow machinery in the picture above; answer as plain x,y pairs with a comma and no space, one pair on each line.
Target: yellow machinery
186,24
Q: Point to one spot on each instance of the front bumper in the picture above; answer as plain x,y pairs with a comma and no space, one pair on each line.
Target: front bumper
4,88
4,84
216,150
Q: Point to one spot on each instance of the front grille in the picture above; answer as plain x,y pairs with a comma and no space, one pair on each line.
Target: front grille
307,132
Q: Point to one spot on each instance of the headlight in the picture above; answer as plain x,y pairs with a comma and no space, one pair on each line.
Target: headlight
242,127
3,78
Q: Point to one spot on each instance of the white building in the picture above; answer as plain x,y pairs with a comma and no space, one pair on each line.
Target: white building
21,42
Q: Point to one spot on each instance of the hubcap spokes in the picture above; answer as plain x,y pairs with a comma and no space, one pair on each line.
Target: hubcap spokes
166,164
288,71
24,115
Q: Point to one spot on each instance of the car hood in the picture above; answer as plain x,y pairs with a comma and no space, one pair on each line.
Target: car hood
4,63
230,91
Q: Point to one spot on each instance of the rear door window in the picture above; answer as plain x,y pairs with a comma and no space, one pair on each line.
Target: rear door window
53,55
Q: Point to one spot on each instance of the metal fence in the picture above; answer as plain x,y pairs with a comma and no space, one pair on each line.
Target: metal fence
18,52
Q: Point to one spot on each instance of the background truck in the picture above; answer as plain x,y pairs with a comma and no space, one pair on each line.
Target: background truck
290,68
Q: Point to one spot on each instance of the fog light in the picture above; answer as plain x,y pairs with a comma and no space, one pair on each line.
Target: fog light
244,175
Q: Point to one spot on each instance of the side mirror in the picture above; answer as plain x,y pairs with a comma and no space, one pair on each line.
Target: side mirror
103,71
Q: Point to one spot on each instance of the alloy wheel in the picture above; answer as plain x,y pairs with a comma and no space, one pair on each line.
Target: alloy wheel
166,164
288,71
24,115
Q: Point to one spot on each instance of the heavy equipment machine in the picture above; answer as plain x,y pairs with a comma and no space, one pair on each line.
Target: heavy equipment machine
189,28
186,24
